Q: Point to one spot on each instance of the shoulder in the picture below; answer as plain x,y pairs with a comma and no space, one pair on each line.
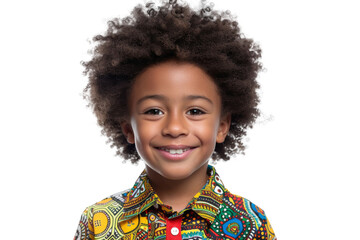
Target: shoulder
238,214
109,206
98,219
243,205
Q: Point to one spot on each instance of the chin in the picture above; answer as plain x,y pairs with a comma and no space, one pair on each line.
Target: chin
180,172
176,174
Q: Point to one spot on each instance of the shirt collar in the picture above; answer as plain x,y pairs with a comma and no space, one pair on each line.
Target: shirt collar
206,203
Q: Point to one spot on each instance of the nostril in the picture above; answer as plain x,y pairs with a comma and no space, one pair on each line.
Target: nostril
175,127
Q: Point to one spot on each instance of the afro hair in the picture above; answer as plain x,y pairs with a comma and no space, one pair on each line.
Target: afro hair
152,34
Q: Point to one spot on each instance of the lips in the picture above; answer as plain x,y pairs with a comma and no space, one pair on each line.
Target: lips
175,152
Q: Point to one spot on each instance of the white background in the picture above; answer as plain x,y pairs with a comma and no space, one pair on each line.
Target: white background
301,161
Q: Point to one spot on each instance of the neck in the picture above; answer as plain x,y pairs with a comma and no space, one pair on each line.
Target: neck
177,193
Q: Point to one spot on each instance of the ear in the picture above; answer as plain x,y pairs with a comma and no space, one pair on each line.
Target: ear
224,127
128,132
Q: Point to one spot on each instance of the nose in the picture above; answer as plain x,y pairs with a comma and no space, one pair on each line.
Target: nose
175,125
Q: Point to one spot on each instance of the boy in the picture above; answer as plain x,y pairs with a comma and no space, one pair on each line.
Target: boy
174,88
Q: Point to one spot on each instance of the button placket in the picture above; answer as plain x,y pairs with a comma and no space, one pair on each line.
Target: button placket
173,228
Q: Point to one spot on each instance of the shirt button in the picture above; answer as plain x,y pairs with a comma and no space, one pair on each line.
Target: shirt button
174,231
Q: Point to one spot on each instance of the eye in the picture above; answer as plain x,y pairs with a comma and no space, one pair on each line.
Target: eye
154,111
195,111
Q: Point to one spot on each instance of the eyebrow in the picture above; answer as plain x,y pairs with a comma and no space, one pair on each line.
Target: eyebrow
163,98
194,97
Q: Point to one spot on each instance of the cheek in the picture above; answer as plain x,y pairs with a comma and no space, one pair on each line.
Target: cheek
206,131
141,143
144,133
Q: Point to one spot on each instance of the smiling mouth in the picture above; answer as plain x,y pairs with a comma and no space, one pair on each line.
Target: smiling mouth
174,151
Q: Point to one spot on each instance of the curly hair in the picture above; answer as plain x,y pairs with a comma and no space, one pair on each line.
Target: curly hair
210,39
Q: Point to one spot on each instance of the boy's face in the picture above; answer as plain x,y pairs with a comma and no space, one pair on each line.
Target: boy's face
175,119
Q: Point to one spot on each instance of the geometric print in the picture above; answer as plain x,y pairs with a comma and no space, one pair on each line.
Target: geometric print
138,213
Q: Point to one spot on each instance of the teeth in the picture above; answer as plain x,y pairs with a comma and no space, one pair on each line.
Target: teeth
175,151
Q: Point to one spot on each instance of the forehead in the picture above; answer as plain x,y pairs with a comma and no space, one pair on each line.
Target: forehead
174,80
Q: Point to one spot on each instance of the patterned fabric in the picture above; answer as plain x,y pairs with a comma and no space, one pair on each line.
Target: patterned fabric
138,213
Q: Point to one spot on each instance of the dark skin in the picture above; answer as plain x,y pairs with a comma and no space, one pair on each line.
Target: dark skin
178,193
175,107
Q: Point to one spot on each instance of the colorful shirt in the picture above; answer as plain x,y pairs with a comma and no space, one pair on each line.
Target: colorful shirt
138,213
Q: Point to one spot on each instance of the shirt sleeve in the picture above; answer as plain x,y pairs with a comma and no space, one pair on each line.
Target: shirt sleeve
270,231
84,230
264,230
